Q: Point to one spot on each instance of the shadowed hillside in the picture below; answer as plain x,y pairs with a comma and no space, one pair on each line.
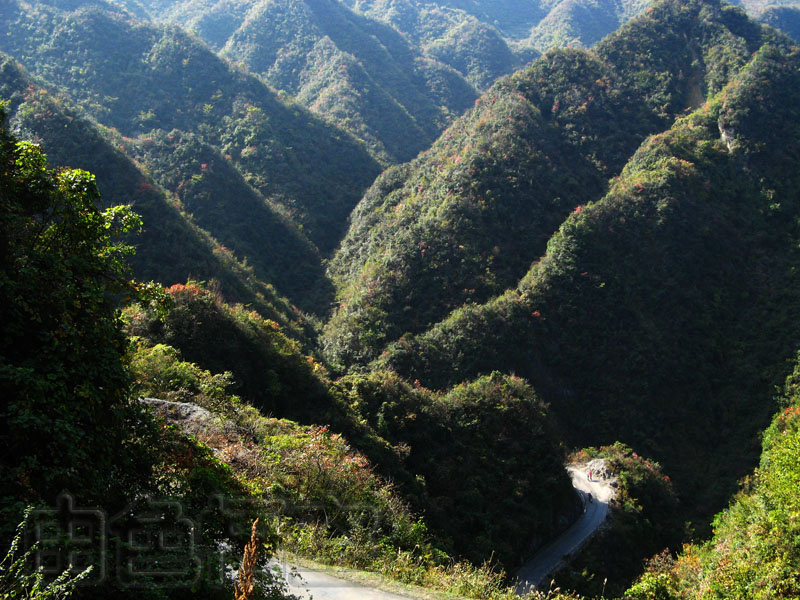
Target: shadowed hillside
137,77
464,221
171,247
664,313
354,71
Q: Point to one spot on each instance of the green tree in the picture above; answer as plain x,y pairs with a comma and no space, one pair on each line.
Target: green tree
66,417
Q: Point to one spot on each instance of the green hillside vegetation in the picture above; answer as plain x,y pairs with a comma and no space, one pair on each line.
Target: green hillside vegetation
417,438
753,552
269,370
605,246
68,368
581,23
484,450
354,71
65,384
645,520
137,77
465,220
482,39
512,17
475,48
759,7
73,140
785,18
327,499
318,487
661,314
477,51
40,206
219,199
525,28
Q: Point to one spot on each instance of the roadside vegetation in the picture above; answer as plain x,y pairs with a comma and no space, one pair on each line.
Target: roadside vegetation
326,500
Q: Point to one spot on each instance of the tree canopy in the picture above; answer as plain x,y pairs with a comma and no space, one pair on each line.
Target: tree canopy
66,419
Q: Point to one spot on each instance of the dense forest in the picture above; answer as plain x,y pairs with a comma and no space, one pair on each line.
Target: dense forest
695,235
357,72
369,281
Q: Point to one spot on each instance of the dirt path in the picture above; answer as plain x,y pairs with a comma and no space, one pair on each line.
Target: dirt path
533,573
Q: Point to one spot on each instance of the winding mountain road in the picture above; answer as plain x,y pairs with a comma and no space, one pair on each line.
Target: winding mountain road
304,582
596,494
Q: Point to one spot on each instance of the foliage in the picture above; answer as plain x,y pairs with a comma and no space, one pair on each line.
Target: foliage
666,305
221,508
220,201
471,45
16,582
137,77
351,70
459,459
581,23
474,451
676,54
644,521
542,24
354,71
321,493
74,141
753,552
61,371
159,373
785,18
250,356
267,368
664,300
330,503
464,221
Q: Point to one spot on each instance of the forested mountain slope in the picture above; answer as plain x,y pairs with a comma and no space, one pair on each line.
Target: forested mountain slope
72,430
472,46
465,460
137,77
664,313
168,232
379,72
785,18
527,27
582,22
753,552
458,31
464,221
355,71
46,373
759,7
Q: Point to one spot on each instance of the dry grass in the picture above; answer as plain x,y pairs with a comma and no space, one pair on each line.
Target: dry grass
243,587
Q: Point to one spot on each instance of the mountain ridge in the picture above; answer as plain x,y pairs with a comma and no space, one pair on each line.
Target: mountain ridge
469,216
606,326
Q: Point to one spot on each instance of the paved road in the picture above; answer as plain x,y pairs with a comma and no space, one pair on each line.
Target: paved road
534,572
305,583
